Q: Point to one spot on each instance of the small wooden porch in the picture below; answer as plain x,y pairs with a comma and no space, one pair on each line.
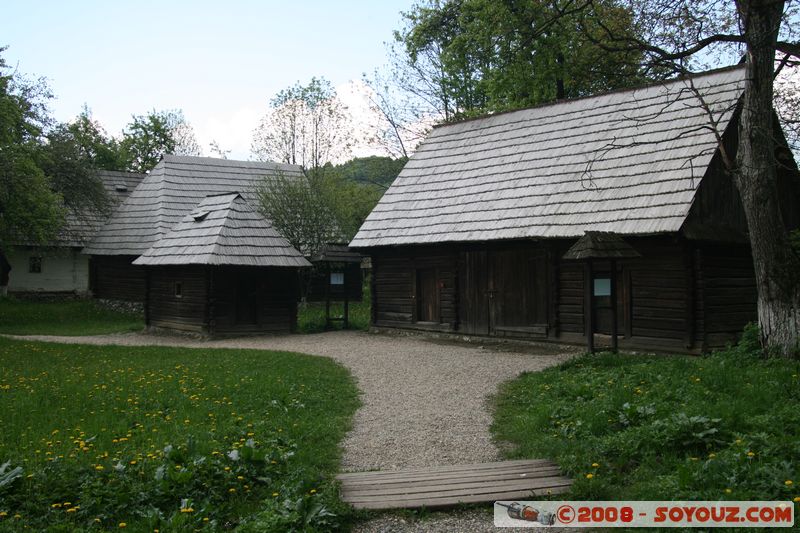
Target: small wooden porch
446,486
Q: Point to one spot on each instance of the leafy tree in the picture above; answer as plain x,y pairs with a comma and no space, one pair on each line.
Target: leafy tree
300,210
468,57
149,137
30,210
69,158
329,206
374,170
305,125
92,142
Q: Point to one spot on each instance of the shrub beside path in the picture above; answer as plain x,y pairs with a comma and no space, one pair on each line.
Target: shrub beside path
425,403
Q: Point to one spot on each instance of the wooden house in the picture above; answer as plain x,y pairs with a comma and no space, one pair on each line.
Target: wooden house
59,267
170,191
222,270
471,237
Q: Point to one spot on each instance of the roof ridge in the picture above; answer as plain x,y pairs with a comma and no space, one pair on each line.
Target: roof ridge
648,85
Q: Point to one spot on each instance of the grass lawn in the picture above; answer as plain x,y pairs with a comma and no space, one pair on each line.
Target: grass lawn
311,316
725,426
173,439
70,317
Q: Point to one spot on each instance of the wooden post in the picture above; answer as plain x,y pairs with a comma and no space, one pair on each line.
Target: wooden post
613,283
327,295
588,291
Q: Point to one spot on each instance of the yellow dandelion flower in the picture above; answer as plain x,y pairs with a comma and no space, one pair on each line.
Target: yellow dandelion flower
595,465
187,510
72,509
712,455
727,491
3,514
313,491
274,494
55,505
750,454
123,525
18,516
99,467
797,499
231,490
205,519
589,476
788,483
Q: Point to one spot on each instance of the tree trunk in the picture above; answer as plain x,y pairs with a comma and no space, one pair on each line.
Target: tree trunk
777,268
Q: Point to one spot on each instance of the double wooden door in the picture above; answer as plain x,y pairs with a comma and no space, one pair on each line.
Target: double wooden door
503,292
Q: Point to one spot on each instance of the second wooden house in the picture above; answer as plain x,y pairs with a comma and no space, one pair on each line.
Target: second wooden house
222,270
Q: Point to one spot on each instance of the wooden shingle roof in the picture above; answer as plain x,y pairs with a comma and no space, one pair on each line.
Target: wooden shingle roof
172,189
628,162
223,230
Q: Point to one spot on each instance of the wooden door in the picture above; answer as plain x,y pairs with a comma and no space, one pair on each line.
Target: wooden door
518,292
427,296
602,301
473,298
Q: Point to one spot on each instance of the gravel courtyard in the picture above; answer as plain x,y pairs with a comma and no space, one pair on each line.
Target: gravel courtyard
425,402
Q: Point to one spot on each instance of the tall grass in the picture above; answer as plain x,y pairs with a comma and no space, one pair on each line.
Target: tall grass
646,427
68,317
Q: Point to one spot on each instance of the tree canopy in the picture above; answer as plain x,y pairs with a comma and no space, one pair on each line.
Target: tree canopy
149,137
305,125
30,210
468,57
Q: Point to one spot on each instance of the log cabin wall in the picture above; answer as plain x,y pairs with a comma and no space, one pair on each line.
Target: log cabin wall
177,298
675,298
727,291
395,276
113,277
251,301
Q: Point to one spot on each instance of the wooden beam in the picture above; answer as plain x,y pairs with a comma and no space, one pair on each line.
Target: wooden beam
613,283
588,312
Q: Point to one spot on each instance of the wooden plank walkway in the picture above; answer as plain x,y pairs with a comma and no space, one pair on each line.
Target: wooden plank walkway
449,485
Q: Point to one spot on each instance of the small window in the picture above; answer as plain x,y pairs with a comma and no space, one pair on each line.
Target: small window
178,289
337,278
35,265
602,287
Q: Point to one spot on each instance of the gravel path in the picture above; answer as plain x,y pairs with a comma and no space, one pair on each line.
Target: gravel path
424,402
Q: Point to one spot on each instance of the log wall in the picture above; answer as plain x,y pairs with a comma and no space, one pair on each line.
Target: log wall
679,296
113,277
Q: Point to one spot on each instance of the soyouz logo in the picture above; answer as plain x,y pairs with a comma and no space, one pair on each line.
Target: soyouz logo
704,514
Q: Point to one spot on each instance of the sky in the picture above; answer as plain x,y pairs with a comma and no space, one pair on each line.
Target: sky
219,61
